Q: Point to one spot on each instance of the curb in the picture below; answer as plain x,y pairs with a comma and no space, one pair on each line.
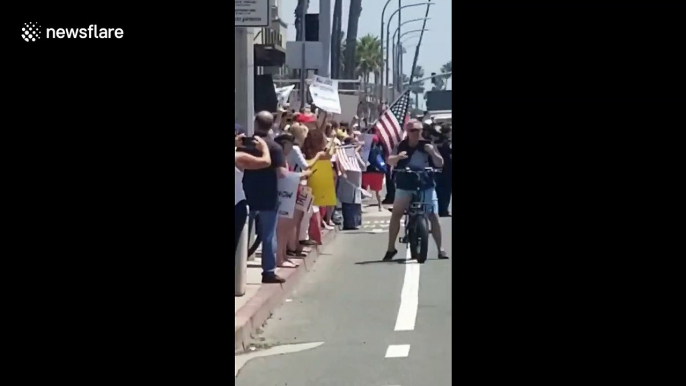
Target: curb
258,309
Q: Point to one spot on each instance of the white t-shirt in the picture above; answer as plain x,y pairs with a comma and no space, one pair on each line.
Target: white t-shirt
239,194
296,159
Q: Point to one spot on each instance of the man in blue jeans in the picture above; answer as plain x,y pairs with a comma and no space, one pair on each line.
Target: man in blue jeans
261,191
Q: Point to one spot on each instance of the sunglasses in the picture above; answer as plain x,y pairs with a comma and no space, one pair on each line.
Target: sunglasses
414,130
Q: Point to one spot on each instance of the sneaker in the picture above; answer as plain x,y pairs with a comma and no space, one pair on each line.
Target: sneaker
288,264
390,255
443,255
272,279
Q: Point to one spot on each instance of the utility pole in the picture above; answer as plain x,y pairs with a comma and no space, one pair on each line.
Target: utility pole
303,71
416,51
245,79
325,35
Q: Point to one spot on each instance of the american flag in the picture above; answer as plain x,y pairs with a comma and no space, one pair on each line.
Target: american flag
347,160
388,127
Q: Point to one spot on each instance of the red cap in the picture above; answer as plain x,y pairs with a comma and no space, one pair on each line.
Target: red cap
306,118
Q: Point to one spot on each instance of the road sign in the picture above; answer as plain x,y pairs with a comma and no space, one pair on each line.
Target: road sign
252,13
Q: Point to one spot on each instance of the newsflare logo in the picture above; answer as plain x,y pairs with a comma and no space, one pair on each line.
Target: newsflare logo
31,32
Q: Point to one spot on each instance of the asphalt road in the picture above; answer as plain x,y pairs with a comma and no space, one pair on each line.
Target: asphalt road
352,303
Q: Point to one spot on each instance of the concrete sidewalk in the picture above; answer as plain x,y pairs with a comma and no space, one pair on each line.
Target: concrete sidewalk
260,300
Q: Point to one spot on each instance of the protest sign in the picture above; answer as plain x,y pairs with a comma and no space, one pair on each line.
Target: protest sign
283,93
304,200
322,183
367,147
324,92
288,192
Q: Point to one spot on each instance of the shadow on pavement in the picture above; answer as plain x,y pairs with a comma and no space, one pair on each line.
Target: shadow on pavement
397,261
359,232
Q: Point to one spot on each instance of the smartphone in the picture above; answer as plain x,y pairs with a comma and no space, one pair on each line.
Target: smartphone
423,143
248,142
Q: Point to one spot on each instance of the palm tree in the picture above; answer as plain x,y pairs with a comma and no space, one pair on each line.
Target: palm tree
351,44
417,87
341,60
368,60
298,17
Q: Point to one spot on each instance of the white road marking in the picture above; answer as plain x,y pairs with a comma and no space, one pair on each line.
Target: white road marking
409,298
398,351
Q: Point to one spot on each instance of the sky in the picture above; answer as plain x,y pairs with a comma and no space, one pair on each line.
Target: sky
436,49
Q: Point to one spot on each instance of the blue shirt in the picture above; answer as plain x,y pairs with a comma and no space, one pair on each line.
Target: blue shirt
260,186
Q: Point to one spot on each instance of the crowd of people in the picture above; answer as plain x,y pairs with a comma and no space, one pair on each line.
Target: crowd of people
308,142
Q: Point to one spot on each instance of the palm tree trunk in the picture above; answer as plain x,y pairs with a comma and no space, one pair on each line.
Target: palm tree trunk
353,21
336,40
298,17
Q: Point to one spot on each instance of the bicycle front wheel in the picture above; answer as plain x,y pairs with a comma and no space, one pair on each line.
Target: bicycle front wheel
419,239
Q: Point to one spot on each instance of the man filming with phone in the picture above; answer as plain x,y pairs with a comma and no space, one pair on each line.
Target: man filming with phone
261,190
417,154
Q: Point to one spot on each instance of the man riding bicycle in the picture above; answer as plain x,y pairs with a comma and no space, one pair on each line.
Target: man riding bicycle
415,154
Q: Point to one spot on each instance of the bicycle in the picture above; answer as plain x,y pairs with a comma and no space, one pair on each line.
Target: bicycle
417,225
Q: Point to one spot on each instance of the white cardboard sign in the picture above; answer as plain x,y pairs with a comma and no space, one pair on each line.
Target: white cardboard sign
367,147
252,13
304,200
288,193
324,92
283,93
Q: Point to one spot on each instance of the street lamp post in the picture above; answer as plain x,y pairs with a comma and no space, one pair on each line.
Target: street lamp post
407,22
388,30
382,91
400,24
397,47
409,32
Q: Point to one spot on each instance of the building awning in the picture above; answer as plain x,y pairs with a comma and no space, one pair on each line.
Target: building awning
268,55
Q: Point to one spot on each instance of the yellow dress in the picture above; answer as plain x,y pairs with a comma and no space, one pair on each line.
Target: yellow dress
322,184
